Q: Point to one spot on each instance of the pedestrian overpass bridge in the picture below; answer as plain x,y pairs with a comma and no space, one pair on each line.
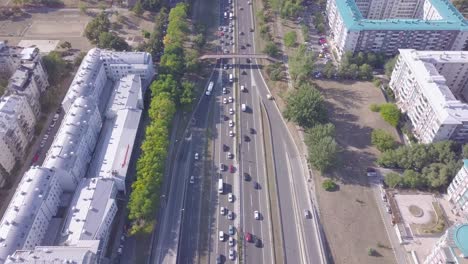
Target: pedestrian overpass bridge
236,56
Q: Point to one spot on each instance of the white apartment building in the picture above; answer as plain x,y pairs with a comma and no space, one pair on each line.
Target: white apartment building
34,203
84,252
112,155
17,122
388,25
457,191
431,87
73,146
452,247
91,214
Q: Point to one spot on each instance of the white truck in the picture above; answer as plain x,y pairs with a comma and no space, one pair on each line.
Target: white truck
220,186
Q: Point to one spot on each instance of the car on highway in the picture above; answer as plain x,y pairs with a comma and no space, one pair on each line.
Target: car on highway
192,179
221,167
256,185
231,111
232,230
225,67
230,198
225,147
247,60
225,117
231,124
221,236
242,47
252,131
231,254
257,215
230,215
258,242
231,168
306,214
246,138
224,90
248,237
241,33
246,176
230,155
196,156
231,133
231,241
219,259
225,100
230,99
222,210
243,88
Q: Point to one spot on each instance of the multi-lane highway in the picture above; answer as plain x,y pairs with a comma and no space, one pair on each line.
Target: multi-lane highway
237,158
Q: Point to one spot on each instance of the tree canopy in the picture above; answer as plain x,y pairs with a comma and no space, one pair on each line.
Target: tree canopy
390,113
322,147
95,27
382,140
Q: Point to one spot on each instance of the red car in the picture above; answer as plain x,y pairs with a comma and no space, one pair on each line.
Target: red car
231,168
248,237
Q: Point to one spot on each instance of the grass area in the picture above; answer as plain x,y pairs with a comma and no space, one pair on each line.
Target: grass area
272,190
435,226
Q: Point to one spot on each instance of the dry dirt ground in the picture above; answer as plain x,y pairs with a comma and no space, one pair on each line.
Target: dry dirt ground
350,215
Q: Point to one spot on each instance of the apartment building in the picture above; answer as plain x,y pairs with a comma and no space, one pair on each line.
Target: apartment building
89,156
34,203
93,211
73,146
452,247
431,88
17,122
457,191
84,252
386,26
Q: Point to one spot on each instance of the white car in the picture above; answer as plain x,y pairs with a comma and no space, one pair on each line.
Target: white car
196,155
231,111
231,124
225,100
230,99
231,254
230,155
230,215
222,210
256,215
231,134
221,167
192,179
225,66
230,197
242,88
221,236
231,241
224,90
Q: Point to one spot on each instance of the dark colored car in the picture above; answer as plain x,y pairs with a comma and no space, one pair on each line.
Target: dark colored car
246,176
258,242
247,60
252,131
225,147
242,47
246,138
256,185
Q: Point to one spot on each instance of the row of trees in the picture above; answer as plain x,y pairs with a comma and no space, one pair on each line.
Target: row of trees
301,64
426,166
360,66
98,31
168,92
306,107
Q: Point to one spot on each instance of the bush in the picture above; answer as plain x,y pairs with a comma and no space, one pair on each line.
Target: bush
290,39
374,108
390,113
382,140
372,252
377,82
329,185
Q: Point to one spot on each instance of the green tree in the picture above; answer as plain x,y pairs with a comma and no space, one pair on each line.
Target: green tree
329,185
271,49
389,65
55,67
275,71
97,26
65,45
465,151
290,39
165,84
323,156
199,40
138,8
382,140
301,64
413,179
108,40
329,69
365,72
393,179
390,113
305,106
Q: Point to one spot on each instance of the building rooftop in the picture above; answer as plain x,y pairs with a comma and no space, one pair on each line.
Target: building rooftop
24,206
84,253
433,85
92,201
29,53
68,139
19,79
354,21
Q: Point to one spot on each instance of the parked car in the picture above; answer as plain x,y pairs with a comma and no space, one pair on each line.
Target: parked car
248,237
231,168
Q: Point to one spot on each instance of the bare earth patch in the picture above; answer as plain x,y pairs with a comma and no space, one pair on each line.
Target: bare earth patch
350,216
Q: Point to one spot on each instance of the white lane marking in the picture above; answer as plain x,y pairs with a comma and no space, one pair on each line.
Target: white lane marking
295,209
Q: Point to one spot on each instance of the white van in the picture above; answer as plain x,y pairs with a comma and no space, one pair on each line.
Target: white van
231,78
244,107
209,89
231,16
220,186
